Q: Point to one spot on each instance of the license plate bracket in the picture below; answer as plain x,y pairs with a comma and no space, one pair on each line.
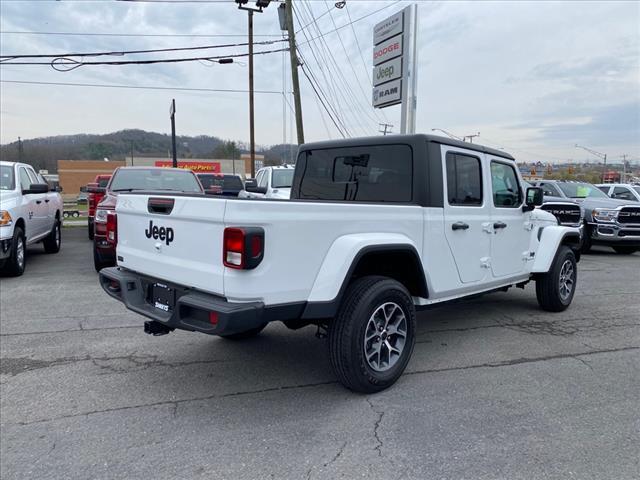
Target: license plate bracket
163,297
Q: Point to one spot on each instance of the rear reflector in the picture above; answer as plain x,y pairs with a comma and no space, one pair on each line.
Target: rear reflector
213,318
243,247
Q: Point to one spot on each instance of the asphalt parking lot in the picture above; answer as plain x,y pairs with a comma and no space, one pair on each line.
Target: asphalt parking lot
496,389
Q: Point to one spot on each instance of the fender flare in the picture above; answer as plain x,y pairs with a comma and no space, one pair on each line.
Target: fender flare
551,239
340,262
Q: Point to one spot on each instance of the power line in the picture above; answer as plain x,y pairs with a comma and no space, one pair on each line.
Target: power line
138,87
132,52
107,34
325,107
73,64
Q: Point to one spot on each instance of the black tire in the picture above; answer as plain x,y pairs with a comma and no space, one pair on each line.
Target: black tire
246,334
586,240
356,320
15,264
553,292
90,230
98,263
624,250
54,240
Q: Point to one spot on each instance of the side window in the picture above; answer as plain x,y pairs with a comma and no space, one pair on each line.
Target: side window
25,180
32,176
264,177
622,193
549,190
605,189
504,182
464,180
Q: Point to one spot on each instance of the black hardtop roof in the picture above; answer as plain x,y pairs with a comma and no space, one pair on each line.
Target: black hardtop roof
402,139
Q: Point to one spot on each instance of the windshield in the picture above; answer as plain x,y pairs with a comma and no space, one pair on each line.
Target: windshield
282,178
6,177
165,179
225,182
581,190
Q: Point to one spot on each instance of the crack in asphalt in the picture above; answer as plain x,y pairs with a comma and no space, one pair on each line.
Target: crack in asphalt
283,388
337,455
81,329
559,328
376,427
14,366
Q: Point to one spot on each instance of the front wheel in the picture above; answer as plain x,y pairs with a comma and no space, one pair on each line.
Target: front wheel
555,289
623,250
54,239
14,265
372,337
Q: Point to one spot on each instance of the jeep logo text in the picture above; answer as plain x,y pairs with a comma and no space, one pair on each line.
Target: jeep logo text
162,233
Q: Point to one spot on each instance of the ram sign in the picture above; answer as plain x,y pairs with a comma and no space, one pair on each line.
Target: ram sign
387,94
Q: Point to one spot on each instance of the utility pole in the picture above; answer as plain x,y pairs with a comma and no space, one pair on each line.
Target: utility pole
172,112
387,128
624,168
252,130
132,153
294,69
20,150
470,137
260,4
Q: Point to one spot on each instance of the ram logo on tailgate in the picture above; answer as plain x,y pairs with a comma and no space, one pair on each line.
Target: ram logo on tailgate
162,233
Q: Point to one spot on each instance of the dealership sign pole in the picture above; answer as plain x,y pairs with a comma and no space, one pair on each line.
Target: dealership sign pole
394,65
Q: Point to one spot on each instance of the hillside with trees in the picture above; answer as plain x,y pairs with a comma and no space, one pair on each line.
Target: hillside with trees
43,153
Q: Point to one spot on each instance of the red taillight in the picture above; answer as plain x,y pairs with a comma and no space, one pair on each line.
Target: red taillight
243,248
112,229
213,318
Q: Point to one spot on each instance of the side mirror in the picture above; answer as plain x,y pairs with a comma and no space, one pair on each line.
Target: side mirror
94,188
535,197
252,186
250,183
36,188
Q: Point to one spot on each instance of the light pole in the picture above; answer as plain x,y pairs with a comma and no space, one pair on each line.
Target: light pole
450,135
602,156
172,114
260,4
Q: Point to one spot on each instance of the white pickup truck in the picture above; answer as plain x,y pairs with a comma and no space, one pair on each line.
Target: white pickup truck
376,229
29,212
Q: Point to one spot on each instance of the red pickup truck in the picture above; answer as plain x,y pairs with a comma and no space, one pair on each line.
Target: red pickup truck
95,192
131,179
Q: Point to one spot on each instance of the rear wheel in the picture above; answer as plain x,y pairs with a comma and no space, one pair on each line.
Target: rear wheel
246,334
99,263
54,239
622,250
372,337
555,289
15,264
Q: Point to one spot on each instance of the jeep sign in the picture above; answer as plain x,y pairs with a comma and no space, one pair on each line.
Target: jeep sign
387,94
387,71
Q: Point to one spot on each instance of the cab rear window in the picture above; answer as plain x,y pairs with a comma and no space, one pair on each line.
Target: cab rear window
381,173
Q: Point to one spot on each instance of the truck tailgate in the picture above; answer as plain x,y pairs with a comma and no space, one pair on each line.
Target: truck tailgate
183,246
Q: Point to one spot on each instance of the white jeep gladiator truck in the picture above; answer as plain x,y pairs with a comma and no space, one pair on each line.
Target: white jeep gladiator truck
30,212
376,229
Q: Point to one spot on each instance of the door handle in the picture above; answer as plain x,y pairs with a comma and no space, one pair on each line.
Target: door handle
498,225
38,202
46,200
459,226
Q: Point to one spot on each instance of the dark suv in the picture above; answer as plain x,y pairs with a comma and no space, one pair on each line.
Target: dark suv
228,185
611,222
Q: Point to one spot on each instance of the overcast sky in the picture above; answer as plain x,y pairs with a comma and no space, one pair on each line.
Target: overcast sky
534,78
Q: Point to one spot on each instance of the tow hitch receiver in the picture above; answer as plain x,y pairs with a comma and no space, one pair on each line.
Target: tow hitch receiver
156,328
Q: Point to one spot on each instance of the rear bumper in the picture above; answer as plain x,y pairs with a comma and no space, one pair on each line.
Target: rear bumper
192,308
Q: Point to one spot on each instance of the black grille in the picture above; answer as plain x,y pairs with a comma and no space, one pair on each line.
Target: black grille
629,215
566,214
